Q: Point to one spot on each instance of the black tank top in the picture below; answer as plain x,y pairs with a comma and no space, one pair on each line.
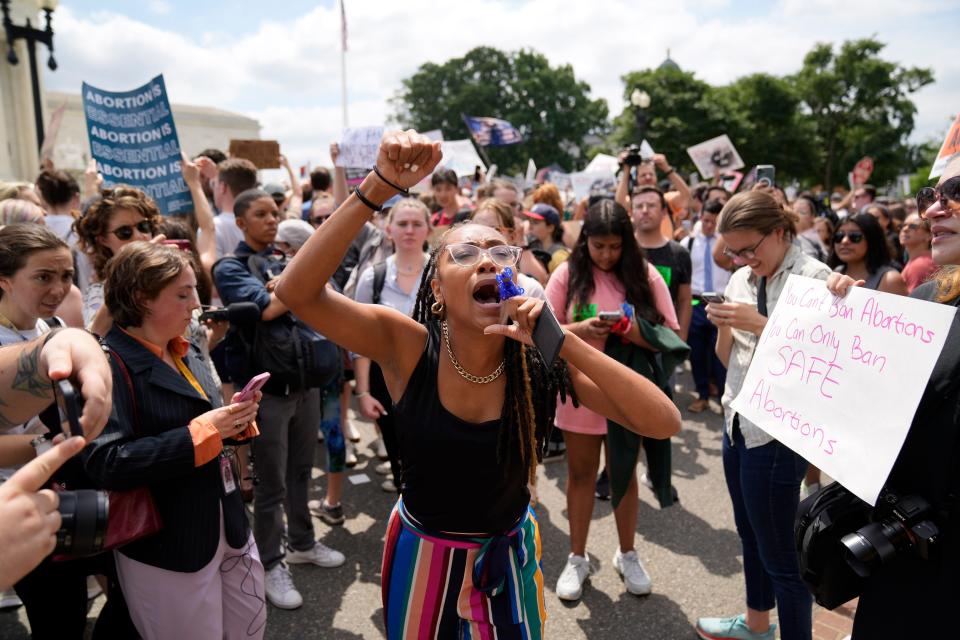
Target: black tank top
452,480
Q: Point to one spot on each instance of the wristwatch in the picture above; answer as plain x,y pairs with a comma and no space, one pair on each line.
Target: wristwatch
41,444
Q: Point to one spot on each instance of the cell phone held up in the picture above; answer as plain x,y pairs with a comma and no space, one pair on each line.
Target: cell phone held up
70,404
766,174
611,316
712,297
548,336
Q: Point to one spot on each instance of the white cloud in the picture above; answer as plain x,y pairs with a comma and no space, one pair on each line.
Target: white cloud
159,7
286,73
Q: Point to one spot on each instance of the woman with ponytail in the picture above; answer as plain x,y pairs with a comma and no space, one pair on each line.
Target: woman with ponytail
473,402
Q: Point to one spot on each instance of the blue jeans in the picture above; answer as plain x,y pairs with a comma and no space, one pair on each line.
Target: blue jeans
330,426
764,486
704,362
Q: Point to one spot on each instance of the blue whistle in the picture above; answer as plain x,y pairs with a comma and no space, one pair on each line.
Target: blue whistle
505,285
627,310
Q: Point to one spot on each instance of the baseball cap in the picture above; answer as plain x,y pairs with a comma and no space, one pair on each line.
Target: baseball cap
276,191
543,211
294,232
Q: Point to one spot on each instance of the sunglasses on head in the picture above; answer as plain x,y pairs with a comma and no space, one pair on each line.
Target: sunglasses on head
467,255
949,190
126,231
855,237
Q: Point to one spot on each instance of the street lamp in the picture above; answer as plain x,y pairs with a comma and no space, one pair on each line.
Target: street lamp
640,100
31,36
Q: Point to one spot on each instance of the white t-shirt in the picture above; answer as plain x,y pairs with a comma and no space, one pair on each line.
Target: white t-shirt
228,233
62,225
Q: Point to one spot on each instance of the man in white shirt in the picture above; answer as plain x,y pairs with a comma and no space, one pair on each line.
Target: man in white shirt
234,176
706,277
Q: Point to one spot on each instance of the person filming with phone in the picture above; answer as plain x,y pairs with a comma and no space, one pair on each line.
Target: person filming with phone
200,575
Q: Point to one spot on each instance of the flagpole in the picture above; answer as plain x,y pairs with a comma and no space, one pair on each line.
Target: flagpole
343,61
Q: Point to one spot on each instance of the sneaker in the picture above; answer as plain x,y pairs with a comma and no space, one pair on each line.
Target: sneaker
603,486
574,574
630,568
717,408
320,555
698,405
333,516
350,454
383,469
351,432
9,599
280,590
388,486
731,629
381,449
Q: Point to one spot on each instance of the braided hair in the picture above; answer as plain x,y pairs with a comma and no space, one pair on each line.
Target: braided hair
530,400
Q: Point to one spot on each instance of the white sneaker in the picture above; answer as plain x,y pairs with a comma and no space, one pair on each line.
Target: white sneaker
280,590
646,481
384,468
320,555
9,599
570,583
381,449
350,432
630,568
388,485
350,455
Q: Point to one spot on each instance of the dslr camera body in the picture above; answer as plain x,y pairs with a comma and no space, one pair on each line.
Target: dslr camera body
634,157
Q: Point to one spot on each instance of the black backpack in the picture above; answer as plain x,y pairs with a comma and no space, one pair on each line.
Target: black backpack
297,356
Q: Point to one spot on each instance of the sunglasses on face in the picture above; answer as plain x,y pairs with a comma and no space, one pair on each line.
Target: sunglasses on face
949,190
744,254
467,255
126,231
855,237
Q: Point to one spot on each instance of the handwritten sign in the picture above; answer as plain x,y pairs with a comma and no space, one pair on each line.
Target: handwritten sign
949,150
715,156
838,380
134,141
264,154
359,146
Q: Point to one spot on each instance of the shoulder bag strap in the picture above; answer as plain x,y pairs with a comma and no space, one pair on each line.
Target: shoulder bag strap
126,376
379,277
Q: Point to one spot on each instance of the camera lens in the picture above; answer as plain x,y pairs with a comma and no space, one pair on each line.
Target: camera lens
868,548
83,526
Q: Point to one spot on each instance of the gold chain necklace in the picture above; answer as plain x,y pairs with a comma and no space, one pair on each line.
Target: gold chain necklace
463,373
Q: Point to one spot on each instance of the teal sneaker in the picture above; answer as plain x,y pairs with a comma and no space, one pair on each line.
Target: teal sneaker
731,629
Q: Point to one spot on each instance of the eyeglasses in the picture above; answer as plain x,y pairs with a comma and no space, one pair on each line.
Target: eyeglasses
467,255
126,231
745,254
949,190
855,237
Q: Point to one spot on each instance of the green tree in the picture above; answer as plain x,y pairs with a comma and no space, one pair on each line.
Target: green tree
859,104
551,108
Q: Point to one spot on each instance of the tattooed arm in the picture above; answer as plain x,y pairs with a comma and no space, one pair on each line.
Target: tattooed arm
26,371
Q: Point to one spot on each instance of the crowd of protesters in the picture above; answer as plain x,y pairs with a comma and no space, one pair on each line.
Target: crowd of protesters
374,297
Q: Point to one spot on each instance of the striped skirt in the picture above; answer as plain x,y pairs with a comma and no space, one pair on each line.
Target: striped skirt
444,586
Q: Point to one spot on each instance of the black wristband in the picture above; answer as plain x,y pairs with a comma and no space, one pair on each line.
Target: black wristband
362,198
669,171
404,192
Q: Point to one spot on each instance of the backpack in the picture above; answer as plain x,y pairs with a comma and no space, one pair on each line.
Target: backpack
379,277
297,356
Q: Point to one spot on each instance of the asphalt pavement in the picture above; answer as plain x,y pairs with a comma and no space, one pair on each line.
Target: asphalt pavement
690,550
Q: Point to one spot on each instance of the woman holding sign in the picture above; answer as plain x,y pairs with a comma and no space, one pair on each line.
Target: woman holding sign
763,476
925,590
472,404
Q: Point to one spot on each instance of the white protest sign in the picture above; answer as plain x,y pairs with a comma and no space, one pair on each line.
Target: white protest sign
646,151
461,156
715,156
583,182
359,146
838,380
949,150
602,162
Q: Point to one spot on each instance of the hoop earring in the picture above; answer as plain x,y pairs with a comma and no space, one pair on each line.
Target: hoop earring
437,309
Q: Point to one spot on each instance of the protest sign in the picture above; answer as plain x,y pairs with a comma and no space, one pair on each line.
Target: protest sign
646,151
838,380
949,150
586,182
134,141
461,156
862,170
53,129
531,176
715,156
264,154
359,146
602,162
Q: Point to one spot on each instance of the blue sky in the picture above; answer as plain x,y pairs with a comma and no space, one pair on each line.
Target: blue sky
279,62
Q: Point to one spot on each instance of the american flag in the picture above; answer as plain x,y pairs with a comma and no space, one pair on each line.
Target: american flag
492,132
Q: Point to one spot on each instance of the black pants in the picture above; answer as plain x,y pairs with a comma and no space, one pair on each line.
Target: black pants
378,389
55,597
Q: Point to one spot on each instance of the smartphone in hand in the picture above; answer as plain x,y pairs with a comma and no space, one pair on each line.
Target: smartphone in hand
70,405
256,383
712,297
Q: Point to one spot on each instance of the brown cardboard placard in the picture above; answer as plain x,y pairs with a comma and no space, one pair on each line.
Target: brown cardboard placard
265,154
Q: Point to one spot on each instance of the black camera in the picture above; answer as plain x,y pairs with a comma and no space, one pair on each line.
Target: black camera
633,157
84,515
904,528
242,313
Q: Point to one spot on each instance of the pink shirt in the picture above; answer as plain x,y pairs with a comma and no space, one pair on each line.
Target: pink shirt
918,271
609,293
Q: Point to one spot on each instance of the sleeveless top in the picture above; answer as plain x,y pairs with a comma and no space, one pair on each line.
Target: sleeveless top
873,282
452,479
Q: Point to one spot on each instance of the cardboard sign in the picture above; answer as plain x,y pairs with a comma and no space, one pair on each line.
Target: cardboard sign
134,141
949,150
715,156
862,170
264,154
838,380
359,147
